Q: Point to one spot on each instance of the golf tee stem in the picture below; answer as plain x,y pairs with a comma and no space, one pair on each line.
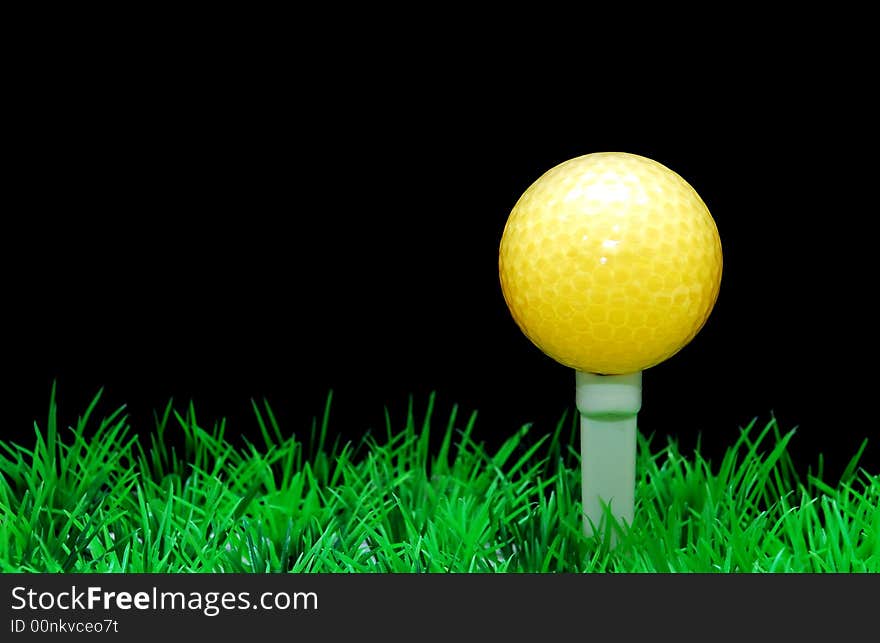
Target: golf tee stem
608,406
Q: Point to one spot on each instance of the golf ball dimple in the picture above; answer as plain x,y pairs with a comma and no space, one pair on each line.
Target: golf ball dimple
610,263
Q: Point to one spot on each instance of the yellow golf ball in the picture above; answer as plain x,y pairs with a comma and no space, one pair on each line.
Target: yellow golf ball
610,263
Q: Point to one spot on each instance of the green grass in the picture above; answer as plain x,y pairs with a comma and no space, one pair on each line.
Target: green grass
422,497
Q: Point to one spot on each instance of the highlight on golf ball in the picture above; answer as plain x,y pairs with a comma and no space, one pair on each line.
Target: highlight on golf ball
610,263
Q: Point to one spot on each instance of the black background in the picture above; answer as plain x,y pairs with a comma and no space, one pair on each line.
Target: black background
347,601
199,230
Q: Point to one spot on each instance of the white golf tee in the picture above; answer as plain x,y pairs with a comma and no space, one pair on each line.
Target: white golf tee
608,406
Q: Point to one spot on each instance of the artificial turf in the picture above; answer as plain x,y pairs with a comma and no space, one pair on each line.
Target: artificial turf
420,496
